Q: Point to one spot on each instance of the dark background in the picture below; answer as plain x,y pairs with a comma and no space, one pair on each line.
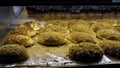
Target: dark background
54,2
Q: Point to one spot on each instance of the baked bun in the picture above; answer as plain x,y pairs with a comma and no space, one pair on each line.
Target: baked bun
19,39
23,31
79,37
12,53
108,34
86,52
51,38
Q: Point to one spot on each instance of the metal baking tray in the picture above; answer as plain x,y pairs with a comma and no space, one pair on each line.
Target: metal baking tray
46,56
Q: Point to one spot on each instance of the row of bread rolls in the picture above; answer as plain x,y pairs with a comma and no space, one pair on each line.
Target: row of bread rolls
20,37
82,33
84,47
14,47
107,31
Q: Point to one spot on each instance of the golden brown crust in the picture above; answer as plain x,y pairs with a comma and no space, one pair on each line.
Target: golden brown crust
111,22
109,34
51,38
82,28
24,31
83,22
55,28
12,53
79,37
19,39
98,26
32,25
41,30
87,52
117,27
78,22
72,22
111,48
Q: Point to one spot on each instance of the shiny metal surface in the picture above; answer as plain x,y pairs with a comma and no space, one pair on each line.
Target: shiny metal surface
46,56
43,56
